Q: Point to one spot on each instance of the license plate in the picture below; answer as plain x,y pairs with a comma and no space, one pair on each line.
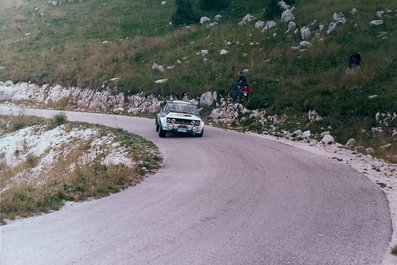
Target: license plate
182,130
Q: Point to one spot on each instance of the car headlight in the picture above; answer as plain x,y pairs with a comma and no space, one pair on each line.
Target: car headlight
168,120
173,120
197,123
193,123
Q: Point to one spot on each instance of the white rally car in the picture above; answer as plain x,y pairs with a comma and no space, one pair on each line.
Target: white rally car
180,117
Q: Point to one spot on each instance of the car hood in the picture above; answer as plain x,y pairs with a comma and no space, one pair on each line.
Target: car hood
182,115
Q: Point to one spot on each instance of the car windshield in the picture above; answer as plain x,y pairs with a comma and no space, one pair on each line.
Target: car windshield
182,108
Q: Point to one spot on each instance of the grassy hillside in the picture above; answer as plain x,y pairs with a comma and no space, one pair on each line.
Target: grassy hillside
86,43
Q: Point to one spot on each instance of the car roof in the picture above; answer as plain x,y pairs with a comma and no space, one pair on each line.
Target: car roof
180,102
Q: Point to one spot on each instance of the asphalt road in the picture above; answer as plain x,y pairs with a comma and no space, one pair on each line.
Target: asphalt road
225,198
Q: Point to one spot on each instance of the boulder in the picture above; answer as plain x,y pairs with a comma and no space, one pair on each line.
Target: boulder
339,18
351,142
331,27
376,22
269,25
206,99
157,67
287,16
218,17
283,5
204,53
314,116
324,133
305,33
259,24
306,134
205,20
297,133
291,26
328,139
247,18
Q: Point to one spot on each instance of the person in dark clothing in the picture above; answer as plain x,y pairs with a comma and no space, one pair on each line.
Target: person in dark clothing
238,87
354,60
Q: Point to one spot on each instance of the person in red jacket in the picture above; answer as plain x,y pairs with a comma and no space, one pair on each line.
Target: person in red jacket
241,89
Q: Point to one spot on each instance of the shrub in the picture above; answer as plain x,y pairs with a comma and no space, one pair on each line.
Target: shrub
184,14
214,5
59,120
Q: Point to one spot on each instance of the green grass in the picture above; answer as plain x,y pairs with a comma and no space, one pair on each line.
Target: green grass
65,46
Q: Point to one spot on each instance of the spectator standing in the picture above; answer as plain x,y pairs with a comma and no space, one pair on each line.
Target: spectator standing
354,60
238,86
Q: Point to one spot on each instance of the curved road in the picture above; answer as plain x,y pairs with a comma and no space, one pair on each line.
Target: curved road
225,198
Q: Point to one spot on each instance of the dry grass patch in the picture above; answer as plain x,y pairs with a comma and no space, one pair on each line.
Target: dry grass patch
394,250
78,171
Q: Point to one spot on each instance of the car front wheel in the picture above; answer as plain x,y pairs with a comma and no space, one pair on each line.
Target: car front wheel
162,132
157,126
200,134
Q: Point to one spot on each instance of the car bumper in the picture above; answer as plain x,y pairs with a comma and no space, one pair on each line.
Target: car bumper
187,130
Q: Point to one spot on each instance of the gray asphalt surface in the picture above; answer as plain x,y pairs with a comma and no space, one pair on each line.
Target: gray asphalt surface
225,198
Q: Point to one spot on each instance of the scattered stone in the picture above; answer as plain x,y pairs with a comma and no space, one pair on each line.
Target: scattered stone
161,81
283,5
305,33
380,13
370,151
205,20
247,18
223,52
331,28
218,17
386,146
314,116
376,22
269,25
